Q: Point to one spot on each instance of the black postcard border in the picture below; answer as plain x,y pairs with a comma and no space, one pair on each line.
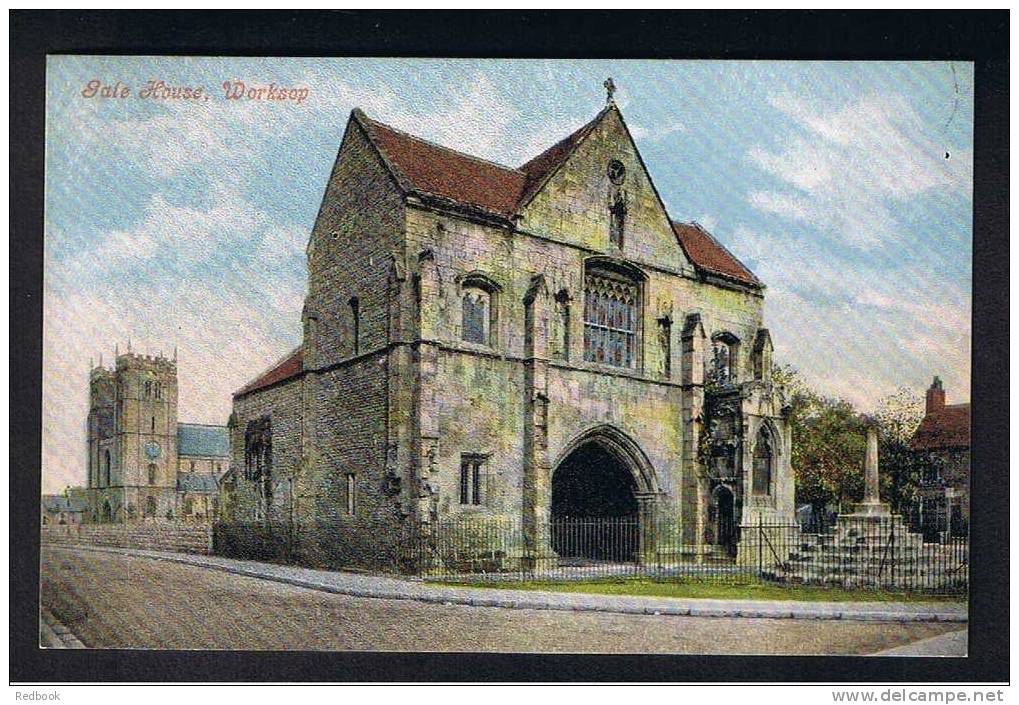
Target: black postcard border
979,36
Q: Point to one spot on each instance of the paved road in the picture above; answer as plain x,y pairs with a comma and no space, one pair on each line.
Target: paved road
116,601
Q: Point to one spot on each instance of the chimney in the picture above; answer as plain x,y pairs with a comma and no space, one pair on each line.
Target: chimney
935,396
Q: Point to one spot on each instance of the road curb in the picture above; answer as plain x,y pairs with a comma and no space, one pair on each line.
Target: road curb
478,597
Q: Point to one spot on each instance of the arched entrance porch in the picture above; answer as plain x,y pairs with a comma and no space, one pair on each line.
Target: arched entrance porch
603,500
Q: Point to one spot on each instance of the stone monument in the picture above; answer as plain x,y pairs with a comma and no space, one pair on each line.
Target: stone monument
871,506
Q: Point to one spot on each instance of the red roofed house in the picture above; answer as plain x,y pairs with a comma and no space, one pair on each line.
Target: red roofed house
513,346
943,436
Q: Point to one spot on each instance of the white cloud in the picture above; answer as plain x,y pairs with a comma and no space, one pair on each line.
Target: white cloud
639,132
852,166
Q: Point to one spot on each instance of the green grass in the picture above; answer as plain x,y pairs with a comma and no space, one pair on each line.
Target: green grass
713,590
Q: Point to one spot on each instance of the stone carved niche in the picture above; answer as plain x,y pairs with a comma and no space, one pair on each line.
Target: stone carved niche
721,441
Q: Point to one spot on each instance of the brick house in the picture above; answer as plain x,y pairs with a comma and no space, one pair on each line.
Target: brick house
510,345
943,436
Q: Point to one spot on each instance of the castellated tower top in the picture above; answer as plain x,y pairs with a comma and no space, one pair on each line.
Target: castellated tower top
130,360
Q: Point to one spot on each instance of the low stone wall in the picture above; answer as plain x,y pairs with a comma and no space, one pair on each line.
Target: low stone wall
152,537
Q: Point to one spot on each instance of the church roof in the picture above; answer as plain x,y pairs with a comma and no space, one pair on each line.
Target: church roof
430,169
201,483
709,255
436,172
55,503
943,428
290,366
199,440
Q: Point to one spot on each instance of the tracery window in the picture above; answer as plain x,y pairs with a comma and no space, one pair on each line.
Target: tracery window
763,456
610,318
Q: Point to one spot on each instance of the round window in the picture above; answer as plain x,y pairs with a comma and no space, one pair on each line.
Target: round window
617,172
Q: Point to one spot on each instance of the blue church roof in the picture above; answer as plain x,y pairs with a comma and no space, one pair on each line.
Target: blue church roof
197,440
196,482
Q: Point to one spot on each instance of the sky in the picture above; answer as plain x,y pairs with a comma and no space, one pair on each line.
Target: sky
846,187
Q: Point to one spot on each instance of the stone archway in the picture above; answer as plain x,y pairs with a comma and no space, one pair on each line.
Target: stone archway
602,504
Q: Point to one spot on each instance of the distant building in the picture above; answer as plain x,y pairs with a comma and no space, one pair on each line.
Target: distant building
142,463
62,510
944,436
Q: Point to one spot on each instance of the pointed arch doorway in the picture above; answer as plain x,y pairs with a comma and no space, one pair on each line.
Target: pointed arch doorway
603,493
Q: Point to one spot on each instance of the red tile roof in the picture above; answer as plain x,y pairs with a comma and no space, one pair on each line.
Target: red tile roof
434,170
944,428
431,170
544,164
290,366
710,255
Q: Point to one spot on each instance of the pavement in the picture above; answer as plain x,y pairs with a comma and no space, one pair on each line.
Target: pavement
396,588
951,644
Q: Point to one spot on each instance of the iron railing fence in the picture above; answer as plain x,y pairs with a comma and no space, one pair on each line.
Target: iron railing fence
873,553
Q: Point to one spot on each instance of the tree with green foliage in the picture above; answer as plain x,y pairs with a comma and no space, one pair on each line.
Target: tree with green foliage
828,443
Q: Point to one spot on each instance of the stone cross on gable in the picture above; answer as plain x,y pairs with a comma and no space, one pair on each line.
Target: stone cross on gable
610,90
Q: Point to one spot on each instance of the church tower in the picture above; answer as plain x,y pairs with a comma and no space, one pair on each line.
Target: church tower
133,439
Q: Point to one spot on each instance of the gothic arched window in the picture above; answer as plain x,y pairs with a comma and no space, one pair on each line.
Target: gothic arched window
763,458
107,469
152,473
479,307
150,506
611,318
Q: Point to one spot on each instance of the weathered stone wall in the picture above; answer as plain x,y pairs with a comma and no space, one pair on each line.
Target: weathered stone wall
481,400
350,438
282,403
573,206
334,422
153,537
350,254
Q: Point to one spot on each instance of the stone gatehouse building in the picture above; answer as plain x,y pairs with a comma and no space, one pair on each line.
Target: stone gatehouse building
510,345
144,466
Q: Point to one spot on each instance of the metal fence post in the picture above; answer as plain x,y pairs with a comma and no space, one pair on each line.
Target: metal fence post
760,547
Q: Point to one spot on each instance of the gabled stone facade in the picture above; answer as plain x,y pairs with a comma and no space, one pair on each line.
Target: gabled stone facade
469,328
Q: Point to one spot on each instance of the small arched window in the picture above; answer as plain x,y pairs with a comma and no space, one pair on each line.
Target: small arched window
152,473
725,359
107,469
478,310
763,458
150,506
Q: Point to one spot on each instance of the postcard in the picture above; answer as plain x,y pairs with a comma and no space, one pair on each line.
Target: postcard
506,355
